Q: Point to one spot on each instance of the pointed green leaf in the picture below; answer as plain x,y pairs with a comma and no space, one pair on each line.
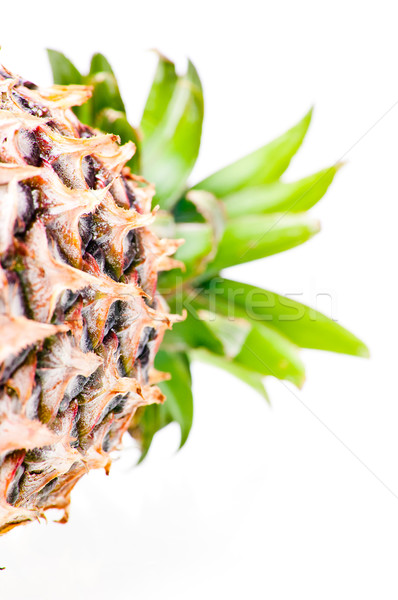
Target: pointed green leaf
112,121
191,333
106,93
179,401
197,245
264,165
164,225
160,94
231,332
203,207
267,352
100,64
185,211
177,407
298,196
252,237
151,419
171,152
64,71
305,326
106,90
249,377
193,253
265,349
211,209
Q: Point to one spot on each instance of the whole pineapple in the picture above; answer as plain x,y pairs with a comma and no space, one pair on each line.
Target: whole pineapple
80,319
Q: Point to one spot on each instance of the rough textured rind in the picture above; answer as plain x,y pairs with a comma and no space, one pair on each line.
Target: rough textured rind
80,320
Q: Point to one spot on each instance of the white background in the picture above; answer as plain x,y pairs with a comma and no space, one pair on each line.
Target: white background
262,502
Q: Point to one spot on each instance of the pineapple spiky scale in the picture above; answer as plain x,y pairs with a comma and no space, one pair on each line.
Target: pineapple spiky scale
80,319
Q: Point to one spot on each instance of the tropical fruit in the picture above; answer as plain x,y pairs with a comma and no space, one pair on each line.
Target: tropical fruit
80,318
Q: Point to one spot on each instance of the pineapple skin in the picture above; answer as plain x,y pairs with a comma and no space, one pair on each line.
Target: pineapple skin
80,319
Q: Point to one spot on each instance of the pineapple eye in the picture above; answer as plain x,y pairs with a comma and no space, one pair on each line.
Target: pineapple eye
86,230
29,147
30,85
67,299
47,489
113,315
144,356
26,207
132,249
13,491
116,405
89,171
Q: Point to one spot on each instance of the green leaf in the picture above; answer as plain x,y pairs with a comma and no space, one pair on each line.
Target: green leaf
197,245
100,64
203,207
212,210
264,349
150,420
106,94
106,90
159,97
298,196
177,407
252,379
191,333
171,152
305,326
231,332
269,353
193,253
64,71
179,401
252,237
265,165
112,121
185,211
164,225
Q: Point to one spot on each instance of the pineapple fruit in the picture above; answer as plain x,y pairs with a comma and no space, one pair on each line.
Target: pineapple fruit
92,273
80,318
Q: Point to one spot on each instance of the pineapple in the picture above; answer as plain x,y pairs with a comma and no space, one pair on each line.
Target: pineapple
94,273
80,317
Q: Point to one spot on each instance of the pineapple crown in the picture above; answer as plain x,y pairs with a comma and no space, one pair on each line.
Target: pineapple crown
241,213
